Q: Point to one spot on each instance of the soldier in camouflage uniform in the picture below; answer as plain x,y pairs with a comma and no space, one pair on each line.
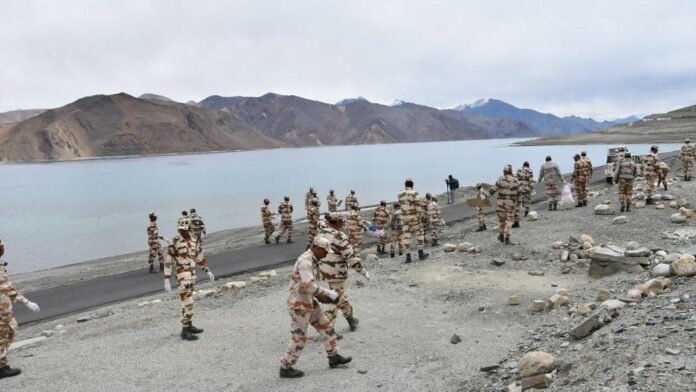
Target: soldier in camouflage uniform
304,310
153,242
308,199
649,170
267,219
580,173
437,224
550,174
332,201
624,175
481,194
662,173
334,268
687,156
184,219
507,189
584,156
185,252
350,200
197,226
312,221
396,231
356,226
411,220
285,210
381,221
425,221
8,323
525,178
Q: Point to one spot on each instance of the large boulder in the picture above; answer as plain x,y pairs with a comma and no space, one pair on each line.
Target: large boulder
684,266
536,362
610,260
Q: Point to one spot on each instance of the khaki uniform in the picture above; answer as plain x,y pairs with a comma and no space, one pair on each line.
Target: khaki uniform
591,170
650,165
304,310
313,223
334,269
307,201
184,220
397,233
197,227
381,219
267,219
411,219
153,242
525,178
332,202
285,210
507,189
687,156
480,215
581,174
350,200
625,174
8,323
184,256
662,173
425,222
354,223
437,225
550,175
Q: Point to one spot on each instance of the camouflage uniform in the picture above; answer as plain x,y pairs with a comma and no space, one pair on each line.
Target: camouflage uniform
184,220
185,254
381,220
350,200
425,221
285,210
437,225
332,202
313,222
411,221
308,199
481,194
550,174
590,168
507,189
355,230
197,227
687,156
396,231
662,172
650,165
580,177
304,310
153,241
267,219
626,171
8,324
525,178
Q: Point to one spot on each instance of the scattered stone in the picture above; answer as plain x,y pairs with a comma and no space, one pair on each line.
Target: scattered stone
673,204
619,220
557,245
659,206
581,310
26,342
564,255
592,323
47,333
687,213
464,246
586,245
359,283
603,209
455,339
634,294
586,238
489,368
672,351
556,301
59,327
497,263
272,273
536,273
602,295
661,253
207,293
482,308
449,247
661,270
574,258
632,245
640,204
613,304
514,300
516,257
536,362
257,279
541,381
235,285
667,197
684,266
532,216
538,306
638,252
671,258
678,218
610,260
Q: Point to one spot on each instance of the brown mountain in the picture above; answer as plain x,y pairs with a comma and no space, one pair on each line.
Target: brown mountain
113,125
18,115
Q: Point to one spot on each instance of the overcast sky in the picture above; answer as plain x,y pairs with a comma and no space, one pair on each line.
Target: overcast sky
592,58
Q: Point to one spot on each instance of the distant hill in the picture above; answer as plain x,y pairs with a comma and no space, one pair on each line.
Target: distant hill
218,102
545,123
155,97
18,115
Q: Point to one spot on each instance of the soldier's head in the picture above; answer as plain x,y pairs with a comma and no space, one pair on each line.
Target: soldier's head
479,185
321,247
428,196
153,217
314,202
352,191
548,158
286,198
383,203
507,169
311,190
434,198
627,154
266,201
583,154
192,211
2,252
331,192
334,219
653,148
397,206
408,183
184,213
525,164
687,141
576,157
183,230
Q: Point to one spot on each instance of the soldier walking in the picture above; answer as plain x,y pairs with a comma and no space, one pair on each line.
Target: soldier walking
313,221
332,201
153,242
481,194
350,200
687,156
304,310
185,253
507,189
396,230
425,221
285,210
411,220
8,323
580,174
197,226
649,170
550,175
525,178
624,175
355,229
267,219
437,224
381,219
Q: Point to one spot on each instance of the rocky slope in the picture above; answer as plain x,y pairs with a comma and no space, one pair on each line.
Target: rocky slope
14,116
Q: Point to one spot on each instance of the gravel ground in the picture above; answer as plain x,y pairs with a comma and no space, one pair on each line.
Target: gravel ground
408,315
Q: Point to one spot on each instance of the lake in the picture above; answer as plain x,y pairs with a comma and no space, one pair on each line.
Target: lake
67,212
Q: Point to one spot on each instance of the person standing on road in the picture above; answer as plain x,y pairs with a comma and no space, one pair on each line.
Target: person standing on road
304,309
308,199
350,200
381,220
525,177
185,252
197,226
153,242
396,231
580,174
332,201
481,194
550,174
267,219
507,189
312,221
452,186
624,175
436,223
411,220
649,170
355,229
8,323
285,210
687,156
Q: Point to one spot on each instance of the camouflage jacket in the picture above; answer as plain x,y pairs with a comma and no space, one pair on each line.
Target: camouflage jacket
626,170
525,176
410,203
266,214
285,210
354,222
381,217
332,202
334,267
650,164
303,283
350,200
152,233
7,289
313,216
550,174
395,224
687,152
506,187
184,255
580,170
434,213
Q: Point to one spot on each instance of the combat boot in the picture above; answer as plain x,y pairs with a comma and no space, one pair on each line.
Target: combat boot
152,269
408,258
649,200
161,267
7,371
353,322
622,208
434,243
481,228
526,211
194,329
501,238
628,207
555,206
484,227
186,334
337,360
290,241
401,253
277,239
584,203
422,255
392,255
665,186
579,204
507,240
550,206
290,373
265,239
515,224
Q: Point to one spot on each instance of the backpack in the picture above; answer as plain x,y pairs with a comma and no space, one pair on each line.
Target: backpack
454,184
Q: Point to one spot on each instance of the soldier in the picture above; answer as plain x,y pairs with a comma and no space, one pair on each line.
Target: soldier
381,220
662,172
580,174
307,199
649,171
507,189
584,156
332,201
437,224
184,219
267,219
481,194
153,242
624,175
312,220
396,231
411,220
687,156
425,221
185,251
334,268
8,324
350,200
525,178
197,226
355,228
285,210
304,310
550,174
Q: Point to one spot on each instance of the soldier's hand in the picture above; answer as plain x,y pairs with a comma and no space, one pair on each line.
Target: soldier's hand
332,294
33,306
167,286
210,276
365,274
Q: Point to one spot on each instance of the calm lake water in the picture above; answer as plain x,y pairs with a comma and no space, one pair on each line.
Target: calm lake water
63,213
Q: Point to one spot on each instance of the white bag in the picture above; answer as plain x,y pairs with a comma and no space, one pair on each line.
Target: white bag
567,200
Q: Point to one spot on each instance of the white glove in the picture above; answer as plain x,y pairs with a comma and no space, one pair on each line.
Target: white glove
332,294
33,306
210,276
167,286
366,274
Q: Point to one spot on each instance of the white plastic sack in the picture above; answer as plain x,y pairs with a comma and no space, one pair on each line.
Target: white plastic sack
567,200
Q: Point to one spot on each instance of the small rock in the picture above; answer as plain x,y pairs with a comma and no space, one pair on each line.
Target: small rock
272,273
619,220
672,351
562,292
586,238
613,304
661,253
497,262
678,218
489,368
455,339
536,362
371,258
673,204
634,294
540,381
586,246
47,333
667,197
362,371
564,255
592,323
449,247
257,279
661,270
359,283
659,206
235,285
516,257
532,216
684,266
536,273
59,327
557,245
538,306
632,245
481,308
602,295
603,209
640,204
556,301
464,246
687,213
514,300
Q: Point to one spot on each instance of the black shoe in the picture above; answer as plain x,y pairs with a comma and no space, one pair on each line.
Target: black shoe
665,187
161,267
526,211
152,269
550,207
337,360
265,240
290,373
484,227
186,334
353,323
579,205
194,329
434,243
7,371
628,207
422,255
516,224
408,258
555,206
622,208
649,200
507,240
392,255
277,239
401,253
501,237
481,228
290,241
584,203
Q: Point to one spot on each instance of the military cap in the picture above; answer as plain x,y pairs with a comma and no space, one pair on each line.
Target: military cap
334,216
323,243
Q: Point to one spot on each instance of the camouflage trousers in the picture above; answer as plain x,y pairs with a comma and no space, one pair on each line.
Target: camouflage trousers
355,237
8,328
333,208
383,240
523,201
581,189
300,319
436,229
285,227
155,252
552,192
268,229
396,240
311,232
505,210
649,187
625,192
186,287
662,178
410,224
343,305
480,216
688,165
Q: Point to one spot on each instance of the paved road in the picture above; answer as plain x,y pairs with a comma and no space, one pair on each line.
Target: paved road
78,297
